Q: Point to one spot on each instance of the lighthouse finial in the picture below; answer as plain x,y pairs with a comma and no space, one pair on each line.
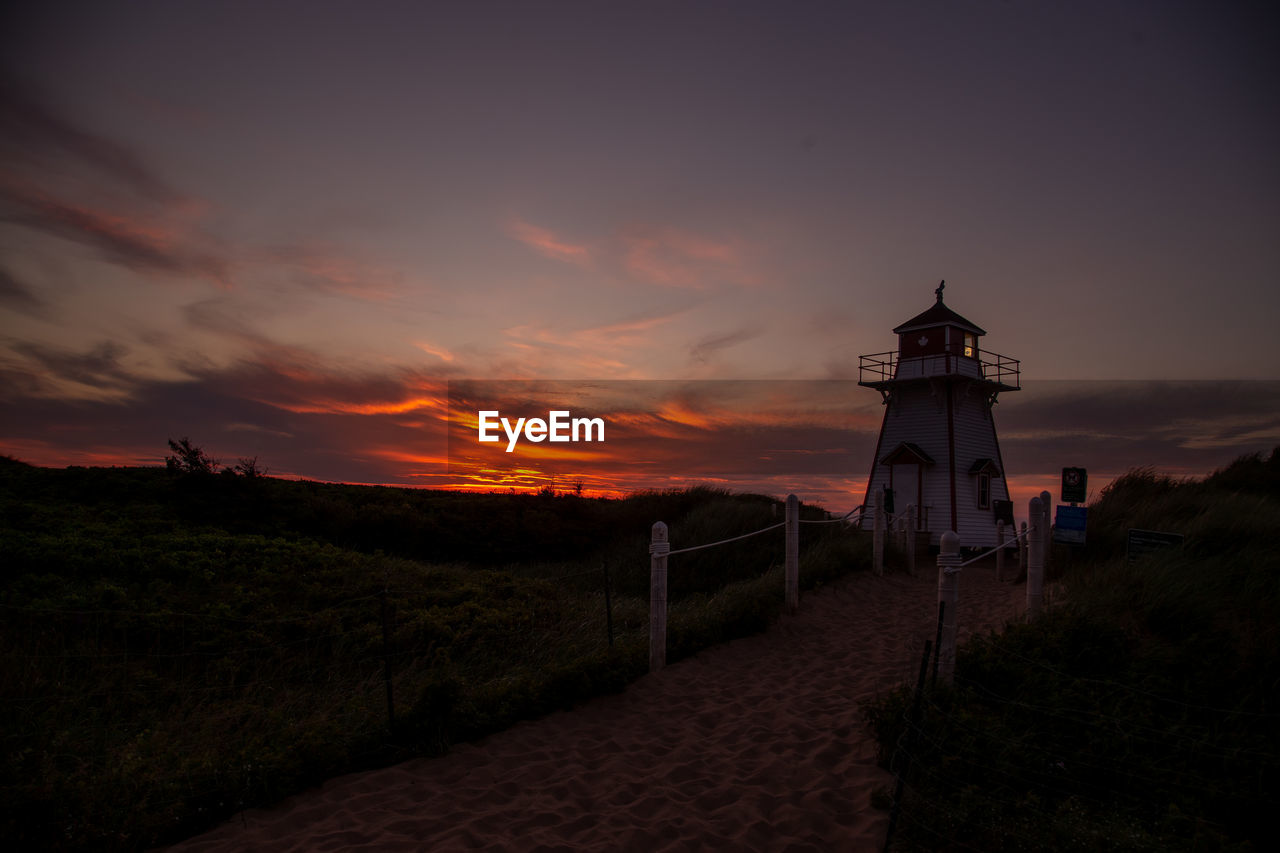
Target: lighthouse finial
942,284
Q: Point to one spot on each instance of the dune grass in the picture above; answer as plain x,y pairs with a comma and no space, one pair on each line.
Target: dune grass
1140,714
177,648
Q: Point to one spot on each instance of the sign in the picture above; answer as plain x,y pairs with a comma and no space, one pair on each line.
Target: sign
1003,511
1069,525
1143,542
1074,485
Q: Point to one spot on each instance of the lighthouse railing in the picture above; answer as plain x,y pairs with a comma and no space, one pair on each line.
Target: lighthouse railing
882,367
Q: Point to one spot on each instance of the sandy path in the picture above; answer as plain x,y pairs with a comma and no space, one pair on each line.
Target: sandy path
755,745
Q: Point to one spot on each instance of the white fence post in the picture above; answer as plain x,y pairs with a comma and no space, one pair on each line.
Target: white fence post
877,531
1035,557
658,548
911,540
793,554
948,598
1000,550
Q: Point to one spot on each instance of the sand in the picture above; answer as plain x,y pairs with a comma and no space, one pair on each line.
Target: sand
755,745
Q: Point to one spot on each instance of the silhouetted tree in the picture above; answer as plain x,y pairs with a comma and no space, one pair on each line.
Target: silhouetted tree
189,459
249,468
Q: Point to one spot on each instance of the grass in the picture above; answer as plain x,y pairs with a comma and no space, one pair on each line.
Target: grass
177,648
1141,714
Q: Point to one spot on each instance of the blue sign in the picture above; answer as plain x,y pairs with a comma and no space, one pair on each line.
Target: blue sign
1069,525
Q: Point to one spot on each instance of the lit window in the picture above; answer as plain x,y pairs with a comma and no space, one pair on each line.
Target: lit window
970,345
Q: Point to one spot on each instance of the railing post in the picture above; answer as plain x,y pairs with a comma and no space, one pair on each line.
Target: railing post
1046,502
911,539
1000,550
1022,550
948,598
793,554
1035,558
877,531
658,548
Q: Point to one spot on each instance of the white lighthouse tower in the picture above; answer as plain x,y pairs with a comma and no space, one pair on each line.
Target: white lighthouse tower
937,448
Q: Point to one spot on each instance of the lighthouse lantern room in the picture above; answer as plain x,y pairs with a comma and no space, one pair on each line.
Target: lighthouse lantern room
937,448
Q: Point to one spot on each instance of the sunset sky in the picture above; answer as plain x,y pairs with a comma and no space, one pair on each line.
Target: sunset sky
281,228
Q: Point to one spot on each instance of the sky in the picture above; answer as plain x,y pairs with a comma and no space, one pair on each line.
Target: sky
283,229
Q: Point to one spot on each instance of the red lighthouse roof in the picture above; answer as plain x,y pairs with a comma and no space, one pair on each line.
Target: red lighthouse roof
938,315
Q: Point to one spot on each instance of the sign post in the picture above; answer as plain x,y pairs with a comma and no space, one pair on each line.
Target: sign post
1069,525
1074,485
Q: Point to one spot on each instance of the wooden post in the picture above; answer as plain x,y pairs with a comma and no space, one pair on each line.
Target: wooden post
793,554
1046,501
658,548
877,531
1000,550
911,540
1035,557
948,599
1022,550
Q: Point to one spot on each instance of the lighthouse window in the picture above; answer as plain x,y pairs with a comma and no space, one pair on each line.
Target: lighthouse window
984,491
970,345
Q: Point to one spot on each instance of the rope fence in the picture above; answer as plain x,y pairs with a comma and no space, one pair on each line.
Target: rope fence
660,550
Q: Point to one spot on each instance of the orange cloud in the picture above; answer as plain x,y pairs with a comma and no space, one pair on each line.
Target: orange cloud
677,258
439,352
322,268
128,239
547,243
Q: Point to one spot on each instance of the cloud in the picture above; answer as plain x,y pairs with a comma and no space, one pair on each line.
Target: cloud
674,257
704,349
548,244
35,130
598,350
324,269
1109,427
18,297
430,349
127,239
94,374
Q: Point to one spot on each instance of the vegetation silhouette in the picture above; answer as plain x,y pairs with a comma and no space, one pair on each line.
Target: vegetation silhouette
1142,711
184,642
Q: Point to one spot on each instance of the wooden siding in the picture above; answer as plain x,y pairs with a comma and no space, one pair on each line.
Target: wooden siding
917,413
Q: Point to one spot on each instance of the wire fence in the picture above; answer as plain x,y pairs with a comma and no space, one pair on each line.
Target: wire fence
208,704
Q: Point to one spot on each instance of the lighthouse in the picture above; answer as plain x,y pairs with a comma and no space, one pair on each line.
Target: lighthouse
937,448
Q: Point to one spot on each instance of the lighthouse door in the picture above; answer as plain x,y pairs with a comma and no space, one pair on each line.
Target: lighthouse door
904,479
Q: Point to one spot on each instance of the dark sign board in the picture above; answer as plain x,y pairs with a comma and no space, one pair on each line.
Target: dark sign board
1069,525
888,500
1003,511
1074,485
1143,542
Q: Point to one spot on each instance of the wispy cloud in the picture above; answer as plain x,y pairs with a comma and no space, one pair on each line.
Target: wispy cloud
593,350
548,243
675,257
704,349
327,269
18,297
95,374
126,238
38,134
